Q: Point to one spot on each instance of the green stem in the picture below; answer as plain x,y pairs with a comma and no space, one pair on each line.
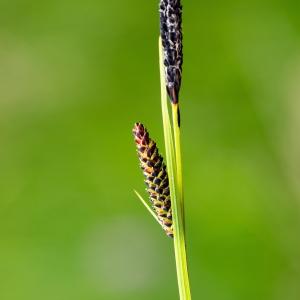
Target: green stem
177,138
173,157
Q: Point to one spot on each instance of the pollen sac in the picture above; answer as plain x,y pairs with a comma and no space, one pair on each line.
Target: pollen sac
156,177
171,36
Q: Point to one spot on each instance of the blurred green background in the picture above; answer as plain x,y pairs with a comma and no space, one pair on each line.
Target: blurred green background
74,77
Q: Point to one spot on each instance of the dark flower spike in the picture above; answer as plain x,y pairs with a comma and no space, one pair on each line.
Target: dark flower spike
171,36
156,177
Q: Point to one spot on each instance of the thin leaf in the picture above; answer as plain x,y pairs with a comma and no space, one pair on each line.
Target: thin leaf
173,166
147,206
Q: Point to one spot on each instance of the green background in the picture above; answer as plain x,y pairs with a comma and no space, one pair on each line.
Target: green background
74,77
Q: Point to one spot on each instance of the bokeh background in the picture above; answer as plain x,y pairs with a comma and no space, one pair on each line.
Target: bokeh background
74,77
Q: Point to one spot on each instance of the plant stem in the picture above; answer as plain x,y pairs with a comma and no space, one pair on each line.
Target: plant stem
177,139
174,166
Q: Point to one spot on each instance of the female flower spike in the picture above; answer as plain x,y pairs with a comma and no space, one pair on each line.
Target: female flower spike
156,177
171,36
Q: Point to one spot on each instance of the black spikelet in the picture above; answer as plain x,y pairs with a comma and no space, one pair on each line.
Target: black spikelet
156,177
171,35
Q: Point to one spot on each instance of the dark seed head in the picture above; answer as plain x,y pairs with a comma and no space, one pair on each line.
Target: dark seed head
171,35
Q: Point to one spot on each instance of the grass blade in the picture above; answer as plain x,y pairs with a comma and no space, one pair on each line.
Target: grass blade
173,158
147,206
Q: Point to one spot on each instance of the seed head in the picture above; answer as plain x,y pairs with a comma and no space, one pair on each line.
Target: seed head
156,177
171,35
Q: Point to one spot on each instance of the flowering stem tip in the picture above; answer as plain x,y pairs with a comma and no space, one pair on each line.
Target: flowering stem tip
171,36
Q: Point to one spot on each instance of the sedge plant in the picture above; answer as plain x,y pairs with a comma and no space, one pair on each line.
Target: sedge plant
164,182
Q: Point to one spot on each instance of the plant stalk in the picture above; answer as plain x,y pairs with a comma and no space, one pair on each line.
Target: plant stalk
174,167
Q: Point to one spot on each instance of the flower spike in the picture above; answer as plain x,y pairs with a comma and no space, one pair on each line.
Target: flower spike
171,36
156,177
